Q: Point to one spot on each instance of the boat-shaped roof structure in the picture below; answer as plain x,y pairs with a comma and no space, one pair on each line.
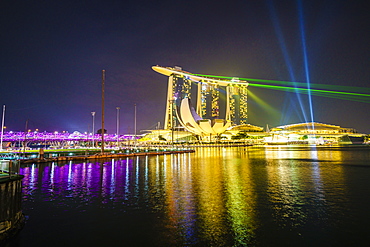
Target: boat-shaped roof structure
168,71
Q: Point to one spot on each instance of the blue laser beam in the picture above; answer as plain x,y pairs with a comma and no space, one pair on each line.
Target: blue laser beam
284,50
305,58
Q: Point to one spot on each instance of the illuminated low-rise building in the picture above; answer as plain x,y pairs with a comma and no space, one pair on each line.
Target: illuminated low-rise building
314,133
313,129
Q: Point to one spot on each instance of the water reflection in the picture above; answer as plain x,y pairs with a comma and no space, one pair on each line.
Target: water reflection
213,197
240,200
208,177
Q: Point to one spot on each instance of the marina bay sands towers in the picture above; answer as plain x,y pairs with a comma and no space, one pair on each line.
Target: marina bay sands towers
220,103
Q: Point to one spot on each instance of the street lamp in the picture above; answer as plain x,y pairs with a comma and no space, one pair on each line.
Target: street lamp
93,126
117,124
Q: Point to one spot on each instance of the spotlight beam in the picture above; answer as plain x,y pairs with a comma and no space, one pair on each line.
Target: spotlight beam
305,57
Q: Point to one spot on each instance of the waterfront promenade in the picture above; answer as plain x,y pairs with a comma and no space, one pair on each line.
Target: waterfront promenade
49,155
38,147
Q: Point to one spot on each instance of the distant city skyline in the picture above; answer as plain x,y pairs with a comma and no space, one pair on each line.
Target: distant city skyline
54,52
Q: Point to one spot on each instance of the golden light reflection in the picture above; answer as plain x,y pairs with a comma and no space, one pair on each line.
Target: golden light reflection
285,192
204,193
240,199
312,153
298,173
208,175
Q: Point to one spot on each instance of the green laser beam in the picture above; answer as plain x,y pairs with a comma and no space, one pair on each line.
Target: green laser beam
312,90
365,98
274,112
297,84
357,93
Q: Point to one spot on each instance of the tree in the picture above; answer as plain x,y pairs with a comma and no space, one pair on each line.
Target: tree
240,135
161,138
305,137
99,131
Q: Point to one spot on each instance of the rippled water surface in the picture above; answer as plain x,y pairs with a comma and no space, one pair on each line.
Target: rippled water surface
255,196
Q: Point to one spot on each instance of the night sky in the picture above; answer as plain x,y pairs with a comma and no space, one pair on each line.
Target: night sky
53,54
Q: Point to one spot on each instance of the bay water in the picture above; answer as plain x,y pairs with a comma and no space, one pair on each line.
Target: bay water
219,196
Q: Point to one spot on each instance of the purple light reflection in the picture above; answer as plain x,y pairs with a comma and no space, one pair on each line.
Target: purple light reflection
122,190
104,182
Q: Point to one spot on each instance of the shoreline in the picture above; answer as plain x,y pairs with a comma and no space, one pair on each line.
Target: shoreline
102,156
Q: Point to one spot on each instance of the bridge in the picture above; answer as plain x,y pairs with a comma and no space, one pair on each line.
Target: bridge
35,139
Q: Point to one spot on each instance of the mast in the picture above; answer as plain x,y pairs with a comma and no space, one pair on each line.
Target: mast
102,111
135,124
2,129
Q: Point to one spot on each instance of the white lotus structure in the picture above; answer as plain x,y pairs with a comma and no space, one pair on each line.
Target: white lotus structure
190,120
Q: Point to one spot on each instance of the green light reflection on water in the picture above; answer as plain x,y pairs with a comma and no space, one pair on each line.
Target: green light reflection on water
240,200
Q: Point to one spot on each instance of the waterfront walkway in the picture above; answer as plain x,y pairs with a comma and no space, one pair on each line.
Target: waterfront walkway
50,155
103,156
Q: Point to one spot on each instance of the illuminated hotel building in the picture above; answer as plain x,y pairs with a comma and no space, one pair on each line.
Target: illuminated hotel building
220,103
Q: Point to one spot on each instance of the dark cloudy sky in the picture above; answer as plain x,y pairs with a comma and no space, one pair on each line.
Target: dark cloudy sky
53,53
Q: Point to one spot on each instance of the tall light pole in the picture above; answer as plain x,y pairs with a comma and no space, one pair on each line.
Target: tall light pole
2,129
117,124
93,128
135,123
102,111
